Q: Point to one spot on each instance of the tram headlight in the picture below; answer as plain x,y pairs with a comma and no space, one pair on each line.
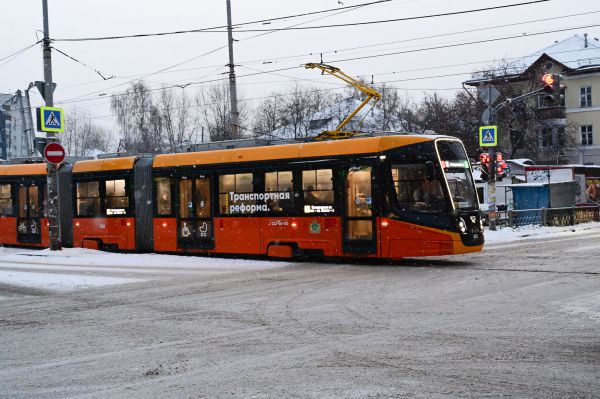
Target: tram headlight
462,226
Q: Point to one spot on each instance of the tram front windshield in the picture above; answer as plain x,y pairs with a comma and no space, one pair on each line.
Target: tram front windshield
455,163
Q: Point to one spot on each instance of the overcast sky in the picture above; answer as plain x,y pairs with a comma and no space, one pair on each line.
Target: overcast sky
413,69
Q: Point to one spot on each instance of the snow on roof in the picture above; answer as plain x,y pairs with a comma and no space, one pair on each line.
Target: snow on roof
582,166
521,161
571,52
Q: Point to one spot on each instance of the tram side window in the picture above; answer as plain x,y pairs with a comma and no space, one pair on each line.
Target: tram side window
164,205
236,195
414,192
279,196
88,198
6,202
317,187
117,201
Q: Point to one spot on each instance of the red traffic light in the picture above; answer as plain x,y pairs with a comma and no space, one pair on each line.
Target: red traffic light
484,157
548,79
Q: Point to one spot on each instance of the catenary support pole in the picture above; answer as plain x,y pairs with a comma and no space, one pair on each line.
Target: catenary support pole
235,126
52,181
492,176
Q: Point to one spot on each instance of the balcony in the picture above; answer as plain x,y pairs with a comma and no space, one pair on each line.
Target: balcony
547,113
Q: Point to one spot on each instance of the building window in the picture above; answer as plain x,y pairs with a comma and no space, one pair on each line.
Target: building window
586,96
317,186
545,137
6,202
587,137
88,198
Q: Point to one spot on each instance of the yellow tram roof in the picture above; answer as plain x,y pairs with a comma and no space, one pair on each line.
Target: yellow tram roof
365,145
103,165
27,169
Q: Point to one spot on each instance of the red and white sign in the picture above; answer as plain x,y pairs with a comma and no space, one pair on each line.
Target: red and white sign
54,153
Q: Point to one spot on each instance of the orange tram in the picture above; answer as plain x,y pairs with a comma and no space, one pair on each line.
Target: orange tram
385,197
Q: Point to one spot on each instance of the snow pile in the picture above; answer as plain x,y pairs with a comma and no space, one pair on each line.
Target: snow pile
76,268
506,234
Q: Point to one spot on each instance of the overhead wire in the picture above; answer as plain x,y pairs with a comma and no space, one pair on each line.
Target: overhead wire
383,21
335,51
17,53
197,30
84,64
344,10
385,54
467,43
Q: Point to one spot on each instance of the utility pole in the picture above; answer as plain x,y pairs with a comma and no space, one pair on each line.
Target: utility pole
51,181
492,176
235,126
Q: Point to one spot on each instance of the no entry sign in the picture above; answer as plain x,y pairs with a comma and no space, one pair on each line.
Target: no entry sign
54,153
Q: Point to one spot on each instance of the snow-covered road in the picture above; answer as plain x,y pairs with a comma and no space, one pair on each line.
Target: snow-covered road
520,319
75,268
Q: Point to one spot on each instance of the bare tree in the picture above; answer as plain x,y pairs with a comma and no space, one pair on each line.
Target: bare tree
268,115
82,137
179,122
215,109
466,112
297,111
139,119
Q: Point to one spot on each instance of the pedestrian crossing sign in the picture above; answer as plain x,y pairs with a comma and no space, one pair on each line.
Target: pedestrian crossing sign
51,120
488,136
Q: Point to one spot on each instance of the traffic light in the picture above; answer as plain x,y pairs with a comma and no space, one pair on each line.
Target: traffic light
500,167
552,88
484,159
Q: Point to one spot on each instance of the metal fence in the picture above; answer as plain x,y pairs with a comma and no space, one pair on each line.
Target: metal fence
553,216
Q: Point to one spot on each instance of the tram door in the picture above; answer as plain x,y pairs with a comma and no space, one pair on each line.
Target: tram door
194,213
29,213
359,221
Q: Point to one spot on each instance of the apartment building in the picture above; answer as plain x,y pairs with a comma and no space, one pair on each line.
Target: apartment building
565,132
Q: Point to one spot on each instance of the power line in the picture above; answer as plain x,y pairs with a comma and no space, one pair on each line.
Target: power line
212,29
345,9
17,53
335,51
397,19
84,64
387,54
467,43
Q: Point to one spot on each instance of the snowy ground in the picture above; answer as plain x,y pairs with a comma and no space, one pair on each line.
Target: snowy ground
518,320
506,234
75,268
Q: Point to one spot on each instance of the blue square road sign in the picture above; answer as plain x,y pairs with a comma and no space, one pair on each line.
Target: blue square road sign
488,136
51,120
